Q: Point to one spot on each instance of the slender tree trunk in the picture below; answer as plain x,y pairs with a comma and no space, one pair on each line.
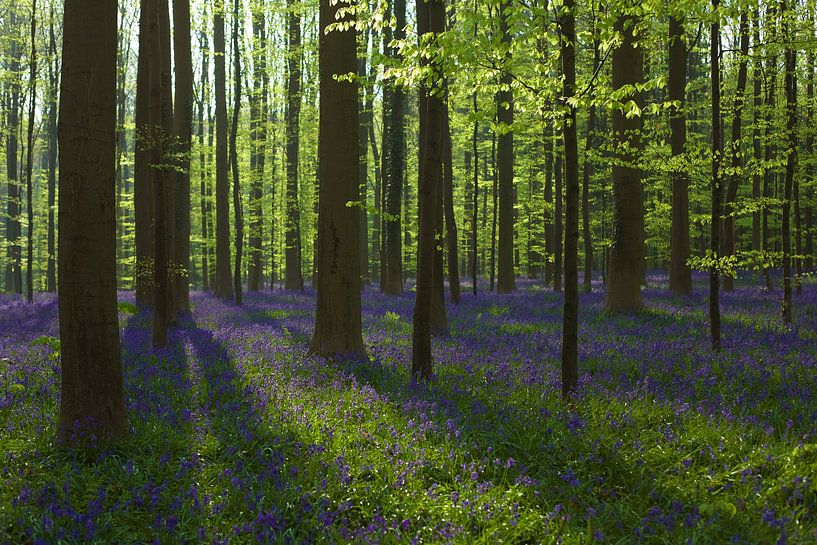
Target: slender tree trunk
183,119
92,400
506,281
239,215
378,184
13,273
729,234
626,263
808,220
452,260
363,160
589,145
224,285
258,135
167,133
32,102
680,280
294,277
717,154
495,194
769,174
790,56
337,315
203,165
550,233
557,224
475,208
757,82
53,90
570,325
142,172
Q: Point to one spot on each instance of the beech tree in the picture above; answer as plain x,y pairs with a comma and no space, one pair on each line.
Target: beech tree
92,400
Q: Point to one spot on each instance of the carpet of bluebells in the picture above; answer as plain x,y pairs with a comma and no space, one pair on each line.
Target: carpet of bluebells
238,436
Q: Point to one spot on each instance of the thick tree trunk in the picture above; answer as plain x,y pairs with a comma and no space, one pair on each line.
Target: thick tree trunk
92,400
224,285
570,325
506,278
680,276
729,234
239,215
168,149
717,153
293,276
183,119
626,263
337,315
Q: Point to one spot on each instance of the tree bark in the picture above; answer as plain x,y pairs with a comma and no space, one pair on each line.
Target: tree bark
14,282
589,145
203,165
183,120
790,56
32,102
239,215
293,275
337,315
680,278
224,285
768,176
626,262
506,278
53,91
452,258
570,325
729,234
430,22
258,135
717,190
142,174
92,400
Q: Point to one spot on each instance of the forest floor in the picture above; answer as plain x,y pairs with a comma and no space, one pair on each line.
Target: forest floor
238,436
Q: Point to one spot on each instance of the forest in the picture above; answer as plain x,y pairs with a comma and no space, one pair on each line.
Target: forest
377,271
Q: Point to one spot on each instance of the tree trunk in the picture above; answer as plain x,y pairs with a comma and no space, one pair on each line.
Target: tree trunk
364,91
452,259
757,82
53,91
626,262
790,56
239,216
258,135
808,262
717,152
430,23
680,277
293,276
570,322
160,174
142,172
393,168
558,229
337,315
506,278
495,207
550,233
92,400
589,145
203,165
13,251
183,118
224,285
32,102
768,177
729,234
